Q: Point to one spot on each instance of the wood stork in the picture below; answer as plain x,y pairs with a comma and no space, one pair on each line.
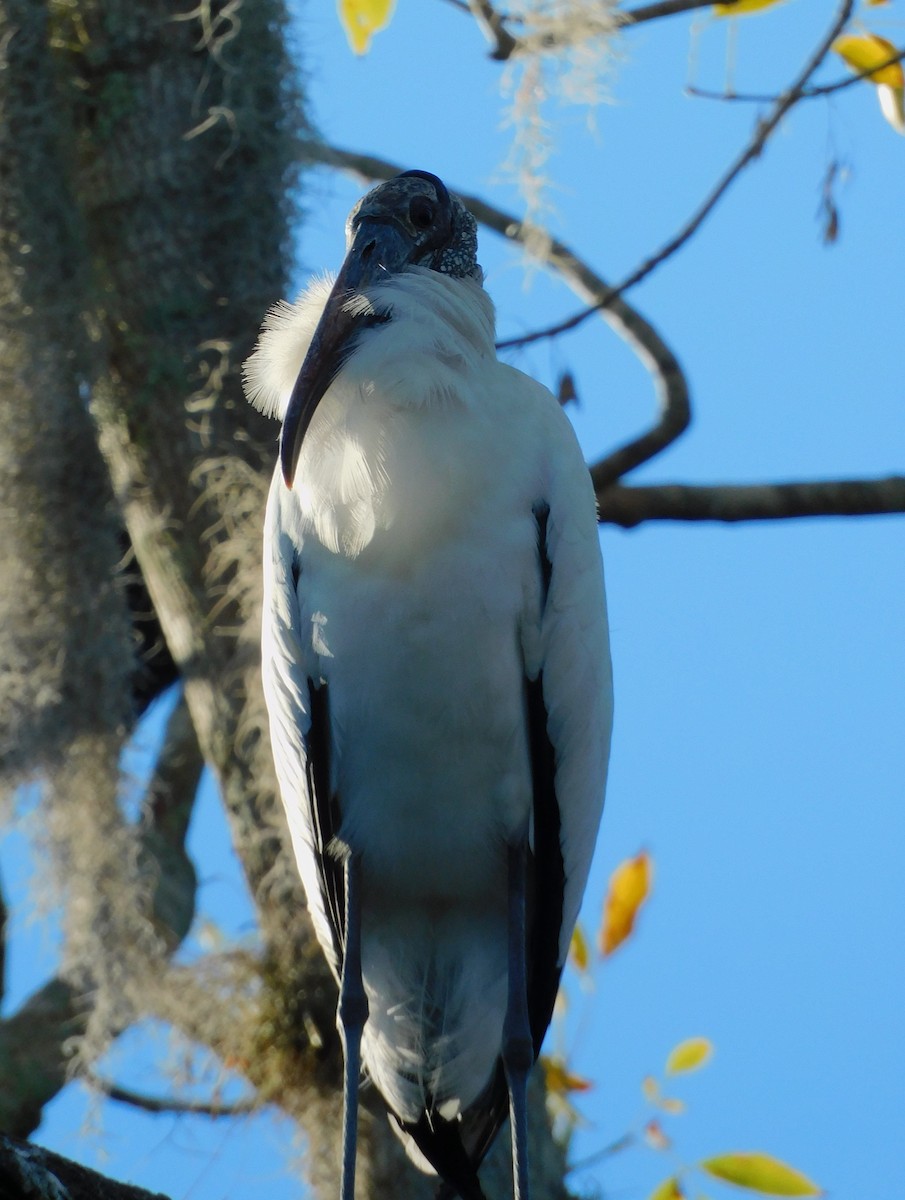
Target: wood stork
437,673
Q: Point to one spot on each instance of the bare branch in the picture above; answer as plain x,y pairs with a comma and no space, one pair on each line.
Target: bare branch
674,404
505,45
170,1104
491,24
664,8
669,379
630,506
625,1142
32,1060
172,792
762,133
829,88
826,89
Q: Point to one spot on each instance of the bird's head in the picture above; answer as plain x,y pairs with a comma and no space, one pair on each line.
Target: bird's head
411,220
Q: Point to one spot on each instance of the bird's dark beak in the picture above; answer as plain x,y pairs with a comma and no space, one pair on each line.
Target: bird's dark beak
380,247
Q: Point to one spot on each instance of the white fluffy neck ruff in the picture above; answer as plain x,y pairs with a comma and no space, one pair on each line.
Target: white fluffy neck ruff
439,328
359,470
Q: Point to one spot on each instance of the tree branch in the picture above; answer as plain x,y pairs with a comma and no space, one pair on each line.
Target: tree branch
32,1059
663,8
170,1104
671,386
170,802
630,506
492,25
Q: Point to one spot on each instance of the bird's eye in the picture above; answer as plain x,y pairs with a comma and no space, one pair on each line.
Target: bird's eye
421,212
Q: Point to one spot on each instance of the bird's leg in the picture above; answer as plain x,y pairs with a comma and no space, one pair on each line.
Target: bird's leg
350,1018
518,1045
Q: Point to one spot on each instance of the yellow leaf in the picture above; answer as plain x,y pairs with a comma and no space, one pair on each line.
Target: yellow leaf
361,19
741,7
869,52
559,1079
668,1190
760,1173
629,887
689,1055
579,952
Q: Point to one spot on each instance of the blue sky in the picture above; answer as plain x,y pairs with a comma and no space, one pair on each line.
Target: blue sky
759,751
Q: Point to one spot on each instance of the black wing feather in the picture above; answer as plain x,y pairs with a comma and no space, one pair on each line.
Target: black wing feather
545,897
325,814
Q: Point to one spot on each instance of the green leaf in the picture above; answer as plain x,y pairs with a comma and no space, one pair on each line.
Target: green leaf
760,1173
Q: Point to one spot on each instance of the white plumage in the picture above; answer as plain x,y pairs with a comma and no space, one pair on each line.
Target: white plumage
434,566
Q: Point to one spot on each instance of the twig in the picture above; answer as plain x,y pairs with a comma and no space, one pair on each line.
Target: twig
630,506
827,89
492,25
763,131
674,406
663,8
616,1147
674,409
809,93
505,45
169,1104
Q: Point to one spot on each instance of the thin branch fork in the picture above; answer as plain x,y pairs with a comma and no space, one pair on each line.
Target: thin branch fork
808,93
505,45
762,133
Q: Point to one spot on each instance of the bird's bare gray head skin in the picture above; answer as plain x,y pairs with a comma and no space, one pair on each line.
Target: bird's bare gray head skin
411,220
444,233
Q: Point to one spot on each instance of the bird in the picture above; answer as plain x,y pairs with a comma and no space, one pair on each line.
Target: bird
436,667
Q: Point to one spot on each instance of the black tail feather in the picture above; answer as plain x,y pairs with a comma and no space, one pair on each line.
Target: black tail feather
441,1144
